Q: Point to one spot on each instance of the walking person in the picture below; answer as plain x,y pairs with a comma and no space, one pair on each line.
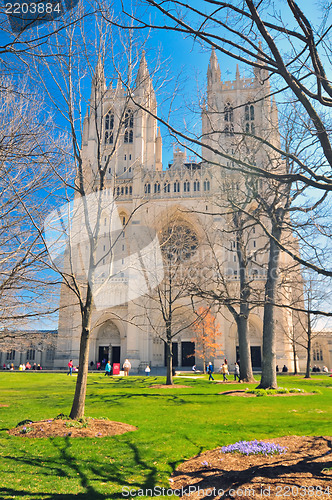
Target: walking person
147,370
126,367
210,371
236,371
108,369
224,371
70,367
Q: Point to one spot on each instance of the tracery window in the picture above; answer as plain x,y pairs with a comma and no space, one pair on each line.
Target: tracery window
147,188
206,185
157,187
317,353
196,186
129,126
228,113
249,117
109,126
176,187
31,354
179,242
186,187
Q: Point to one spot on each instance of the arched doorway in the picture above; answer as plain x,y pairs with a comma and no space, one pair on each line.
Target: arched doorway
108,344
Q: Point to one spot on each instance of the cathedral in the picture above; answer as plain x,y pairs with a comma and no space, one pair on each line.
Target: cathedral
189,194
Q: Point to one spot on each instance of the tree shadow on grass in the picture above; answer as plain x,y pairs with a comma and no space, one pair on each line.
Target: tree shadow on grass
87,471
119,400
174,464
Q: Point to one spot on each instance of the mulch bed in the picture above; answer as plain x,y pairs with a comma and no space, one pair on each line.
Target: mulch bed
53,428
249,395
164,386
301,472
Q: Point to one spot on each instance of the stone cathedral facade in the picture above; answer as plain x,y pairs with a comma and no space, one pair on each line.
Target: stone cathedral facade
189,191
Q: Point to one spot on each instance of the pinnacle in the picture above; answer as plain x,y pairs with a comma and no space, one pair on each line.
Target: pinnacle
213,59
143,72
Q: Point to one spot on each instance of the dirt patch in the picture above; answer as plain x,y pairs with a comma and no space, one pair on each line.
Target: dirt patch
53,428
163,386
246,394
295,394
237,393
301,472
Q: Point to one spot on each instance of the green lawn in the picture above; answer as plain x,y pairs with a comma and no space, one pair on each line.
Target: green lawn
173,425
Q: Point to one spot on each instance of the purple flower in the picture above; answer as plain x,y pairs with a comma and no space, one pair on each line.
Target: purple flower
254,448
205,464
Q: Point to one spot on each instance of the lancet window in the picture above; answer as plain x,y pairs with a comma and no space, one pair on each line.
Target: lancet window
129,126
109,127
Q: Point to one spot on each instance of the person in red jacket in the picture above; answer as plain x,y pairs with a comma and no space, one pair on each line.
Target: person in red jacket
70,367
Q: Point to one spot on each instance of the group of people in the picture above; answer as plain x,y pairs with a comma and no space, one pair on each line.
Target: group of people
316,369
284,369
108,367
126,368
224,370
22,367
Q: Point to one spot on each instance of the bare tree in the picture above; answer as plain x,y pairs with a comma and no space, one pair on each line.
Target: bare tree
168,308
84,236
28,146
236,286
310,297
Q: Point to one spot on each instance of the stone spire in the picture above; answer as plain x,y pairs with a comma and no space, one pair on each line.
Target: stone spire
143,75
261,74
213,72
98,80
119,91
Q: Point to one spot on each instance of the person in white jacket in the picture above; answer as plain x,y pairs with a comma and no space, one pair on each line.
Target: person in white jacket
126,367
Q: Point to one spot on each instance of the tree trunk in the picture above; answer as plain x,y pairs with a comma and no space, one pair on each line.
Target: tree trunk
269,375
294,357
169,361
244,349
307,372
242,318
77,410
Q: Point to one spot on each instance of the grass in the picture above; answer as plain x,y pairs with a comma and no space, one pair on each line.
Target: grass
173,425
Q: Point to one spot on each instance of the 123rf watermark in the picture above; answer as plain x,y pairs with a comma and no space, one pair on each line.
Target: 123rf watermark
282,491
